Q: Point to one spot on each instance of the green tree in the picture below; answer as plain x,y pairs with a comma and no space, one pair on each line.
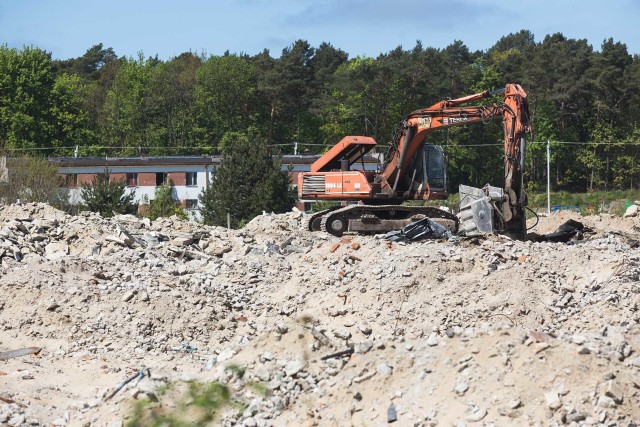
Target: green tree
107,196
163,203
171,102
70,120
249,181
127,115
224,96
26,79
32,179
89,65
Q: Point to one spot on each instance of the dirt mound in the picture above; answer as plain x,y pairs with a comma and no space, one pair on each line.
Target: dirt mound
303,328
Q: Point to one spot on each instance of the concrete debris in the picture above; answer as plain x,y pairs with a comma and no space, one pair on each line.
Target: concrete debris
632,211
307,326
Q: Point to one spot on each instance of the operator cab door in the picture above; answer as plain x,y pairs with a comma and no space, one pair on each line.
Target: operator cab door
428,171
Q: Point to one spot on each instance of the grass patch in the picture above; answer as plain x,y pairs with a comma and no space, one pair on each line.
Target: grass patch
237,370
190,404
260,388
591,203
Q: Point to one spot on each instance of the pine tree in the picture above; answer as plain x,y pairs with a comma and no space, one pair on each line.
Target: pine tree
108,197
249,181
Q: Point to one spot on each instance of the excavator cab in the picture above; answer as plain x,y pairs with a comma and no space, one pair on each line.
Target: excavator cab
427,171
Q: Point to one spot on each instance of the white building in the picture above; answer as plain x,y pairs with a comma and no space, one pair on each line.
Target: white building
188,175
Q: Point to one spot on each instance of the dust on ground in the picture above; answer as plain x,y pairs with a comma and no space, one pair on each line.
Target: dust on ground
309,329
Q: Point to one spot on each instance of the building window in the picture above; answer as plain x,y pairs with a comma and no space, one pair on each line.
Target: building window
161,178
132,180
71,180
191,203
192,179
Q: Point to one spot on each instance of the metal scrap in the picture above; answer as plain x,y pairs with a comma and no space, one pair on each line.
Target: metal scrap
6,355
347,352
139,375
419,230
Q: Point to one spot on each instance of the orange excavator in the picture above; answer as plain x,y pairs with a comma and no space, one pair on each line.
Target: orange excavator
415,170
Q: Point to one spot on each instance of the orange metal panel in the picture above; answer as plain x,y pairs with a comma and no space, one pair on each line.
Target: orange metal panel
342,147
340,185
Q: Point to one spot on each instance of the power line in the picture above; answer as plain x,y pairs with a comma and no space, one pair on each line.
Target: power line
219,149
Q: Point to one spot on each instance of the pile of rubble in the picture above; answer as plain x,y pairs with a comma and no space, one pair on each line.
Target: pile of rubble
309,329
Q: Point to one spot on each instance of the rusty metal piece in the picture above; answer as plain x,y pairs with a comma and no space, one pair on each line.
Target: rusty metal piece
6,355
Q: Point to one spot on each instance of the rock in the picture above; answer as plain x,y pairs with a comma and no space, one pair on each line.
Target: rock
225,355
392,414
514,404
432,341
615,392
362,347
263,374
461,387
56,250
342,333
632,211
16,420
384,369
476,415
553,400
294,366
575,417
606,402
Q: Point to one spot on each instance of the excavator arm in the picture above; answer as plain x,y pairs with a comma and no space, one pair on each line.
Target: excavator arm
449,113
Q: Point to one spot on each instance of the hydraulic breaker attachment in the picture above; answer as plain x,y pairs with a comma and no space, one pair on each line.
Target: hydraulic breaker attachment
481,209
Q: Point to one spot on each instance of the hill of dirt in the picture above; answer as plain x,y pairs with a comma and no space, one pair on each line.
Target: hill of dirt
307,329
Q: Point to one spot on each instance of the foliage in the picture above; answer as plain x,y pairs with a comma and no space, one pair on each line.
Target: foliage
163,203
589,203
314,96
321,205
26,82
185,404
107,196
248,182
31,179
225,88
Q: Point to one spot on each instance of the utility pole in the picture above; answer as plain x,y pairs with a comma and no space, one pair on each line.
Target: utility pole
548,178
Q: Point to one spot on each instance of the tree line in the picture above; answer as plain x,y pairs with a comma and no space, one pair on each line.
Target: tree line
585,101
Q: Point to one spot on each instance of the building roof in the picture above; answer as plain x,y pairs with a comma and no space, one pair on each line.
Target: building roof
171,160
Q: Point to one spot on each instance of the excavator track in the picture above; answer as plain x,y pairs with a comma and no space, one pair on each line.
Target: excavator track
377,219
312,222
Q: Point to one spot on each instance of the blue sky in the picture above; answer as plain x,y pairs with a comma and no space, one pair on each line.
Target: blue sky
67,28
